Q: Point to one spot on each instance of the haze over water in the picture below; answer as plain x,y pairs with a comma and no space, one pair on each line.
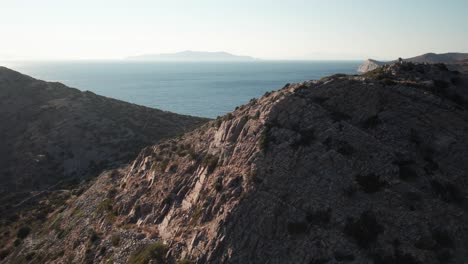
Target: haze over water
206,89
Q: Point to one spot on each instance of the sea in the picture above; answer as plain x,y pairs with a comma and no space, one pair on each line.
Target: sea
206,89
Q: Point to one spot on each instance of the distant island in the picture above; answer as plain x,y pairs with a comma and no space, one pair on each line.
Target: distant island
454,60
189,55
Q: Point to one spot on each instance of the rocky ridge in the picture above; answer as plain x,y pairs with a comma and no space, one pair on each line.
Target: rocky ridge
346,169
454,61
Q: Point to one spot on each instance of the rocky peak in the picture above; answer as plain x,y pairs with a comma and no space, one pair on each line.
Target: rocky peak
369,65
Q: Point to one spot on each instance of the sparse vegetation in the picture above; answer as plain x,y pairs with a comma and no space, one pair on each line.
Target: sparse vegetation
338,116
306,138
296,228
144,254
364,230
343,256
115,239
447,192
398,257
441,86
344,148
456,80
443,238
4,253
163,165
370,183
17,242
406,170
350,190
23,232
93,236
184,261
210,162
371,122
104,206
218,184
388,82
378,74
196,214
319,217
264,139
173,168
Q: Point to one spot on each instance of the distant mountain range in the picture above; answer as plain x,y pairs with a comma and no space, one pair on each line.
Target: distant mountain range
189,55
454,60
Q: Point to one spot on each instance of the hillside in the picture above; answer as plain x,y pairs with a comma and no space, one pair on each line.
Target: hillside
453,60
53,137
51,132
362,169
189,55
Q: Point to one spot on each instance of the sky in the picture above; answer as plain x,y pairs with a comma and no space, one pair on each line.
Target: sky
266,29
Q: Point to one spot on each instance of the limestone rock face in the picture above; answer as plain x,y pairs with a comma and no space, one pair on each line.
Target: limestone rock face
347,169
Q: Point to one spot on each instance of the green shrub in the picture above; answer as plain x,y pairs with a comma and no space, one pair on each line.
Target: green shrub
211,162
115,239
264,139
4,253
218,184
17,242
144,254
173,168
217,122
93,236
23,232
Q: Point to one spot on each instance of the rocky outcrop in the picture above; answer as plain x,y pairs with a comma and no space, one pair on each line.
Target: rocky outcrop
369,65
347,169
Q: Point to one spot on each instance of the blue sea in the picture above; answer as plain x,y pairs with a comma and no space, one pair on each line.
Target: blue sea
206,89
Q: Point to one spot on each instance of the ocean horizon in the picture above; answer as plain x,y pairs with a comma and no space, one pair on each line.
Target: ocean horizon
206,89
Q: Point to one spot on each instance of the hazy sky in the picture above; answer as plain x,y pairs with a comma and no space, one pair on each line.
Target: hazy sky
269,29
